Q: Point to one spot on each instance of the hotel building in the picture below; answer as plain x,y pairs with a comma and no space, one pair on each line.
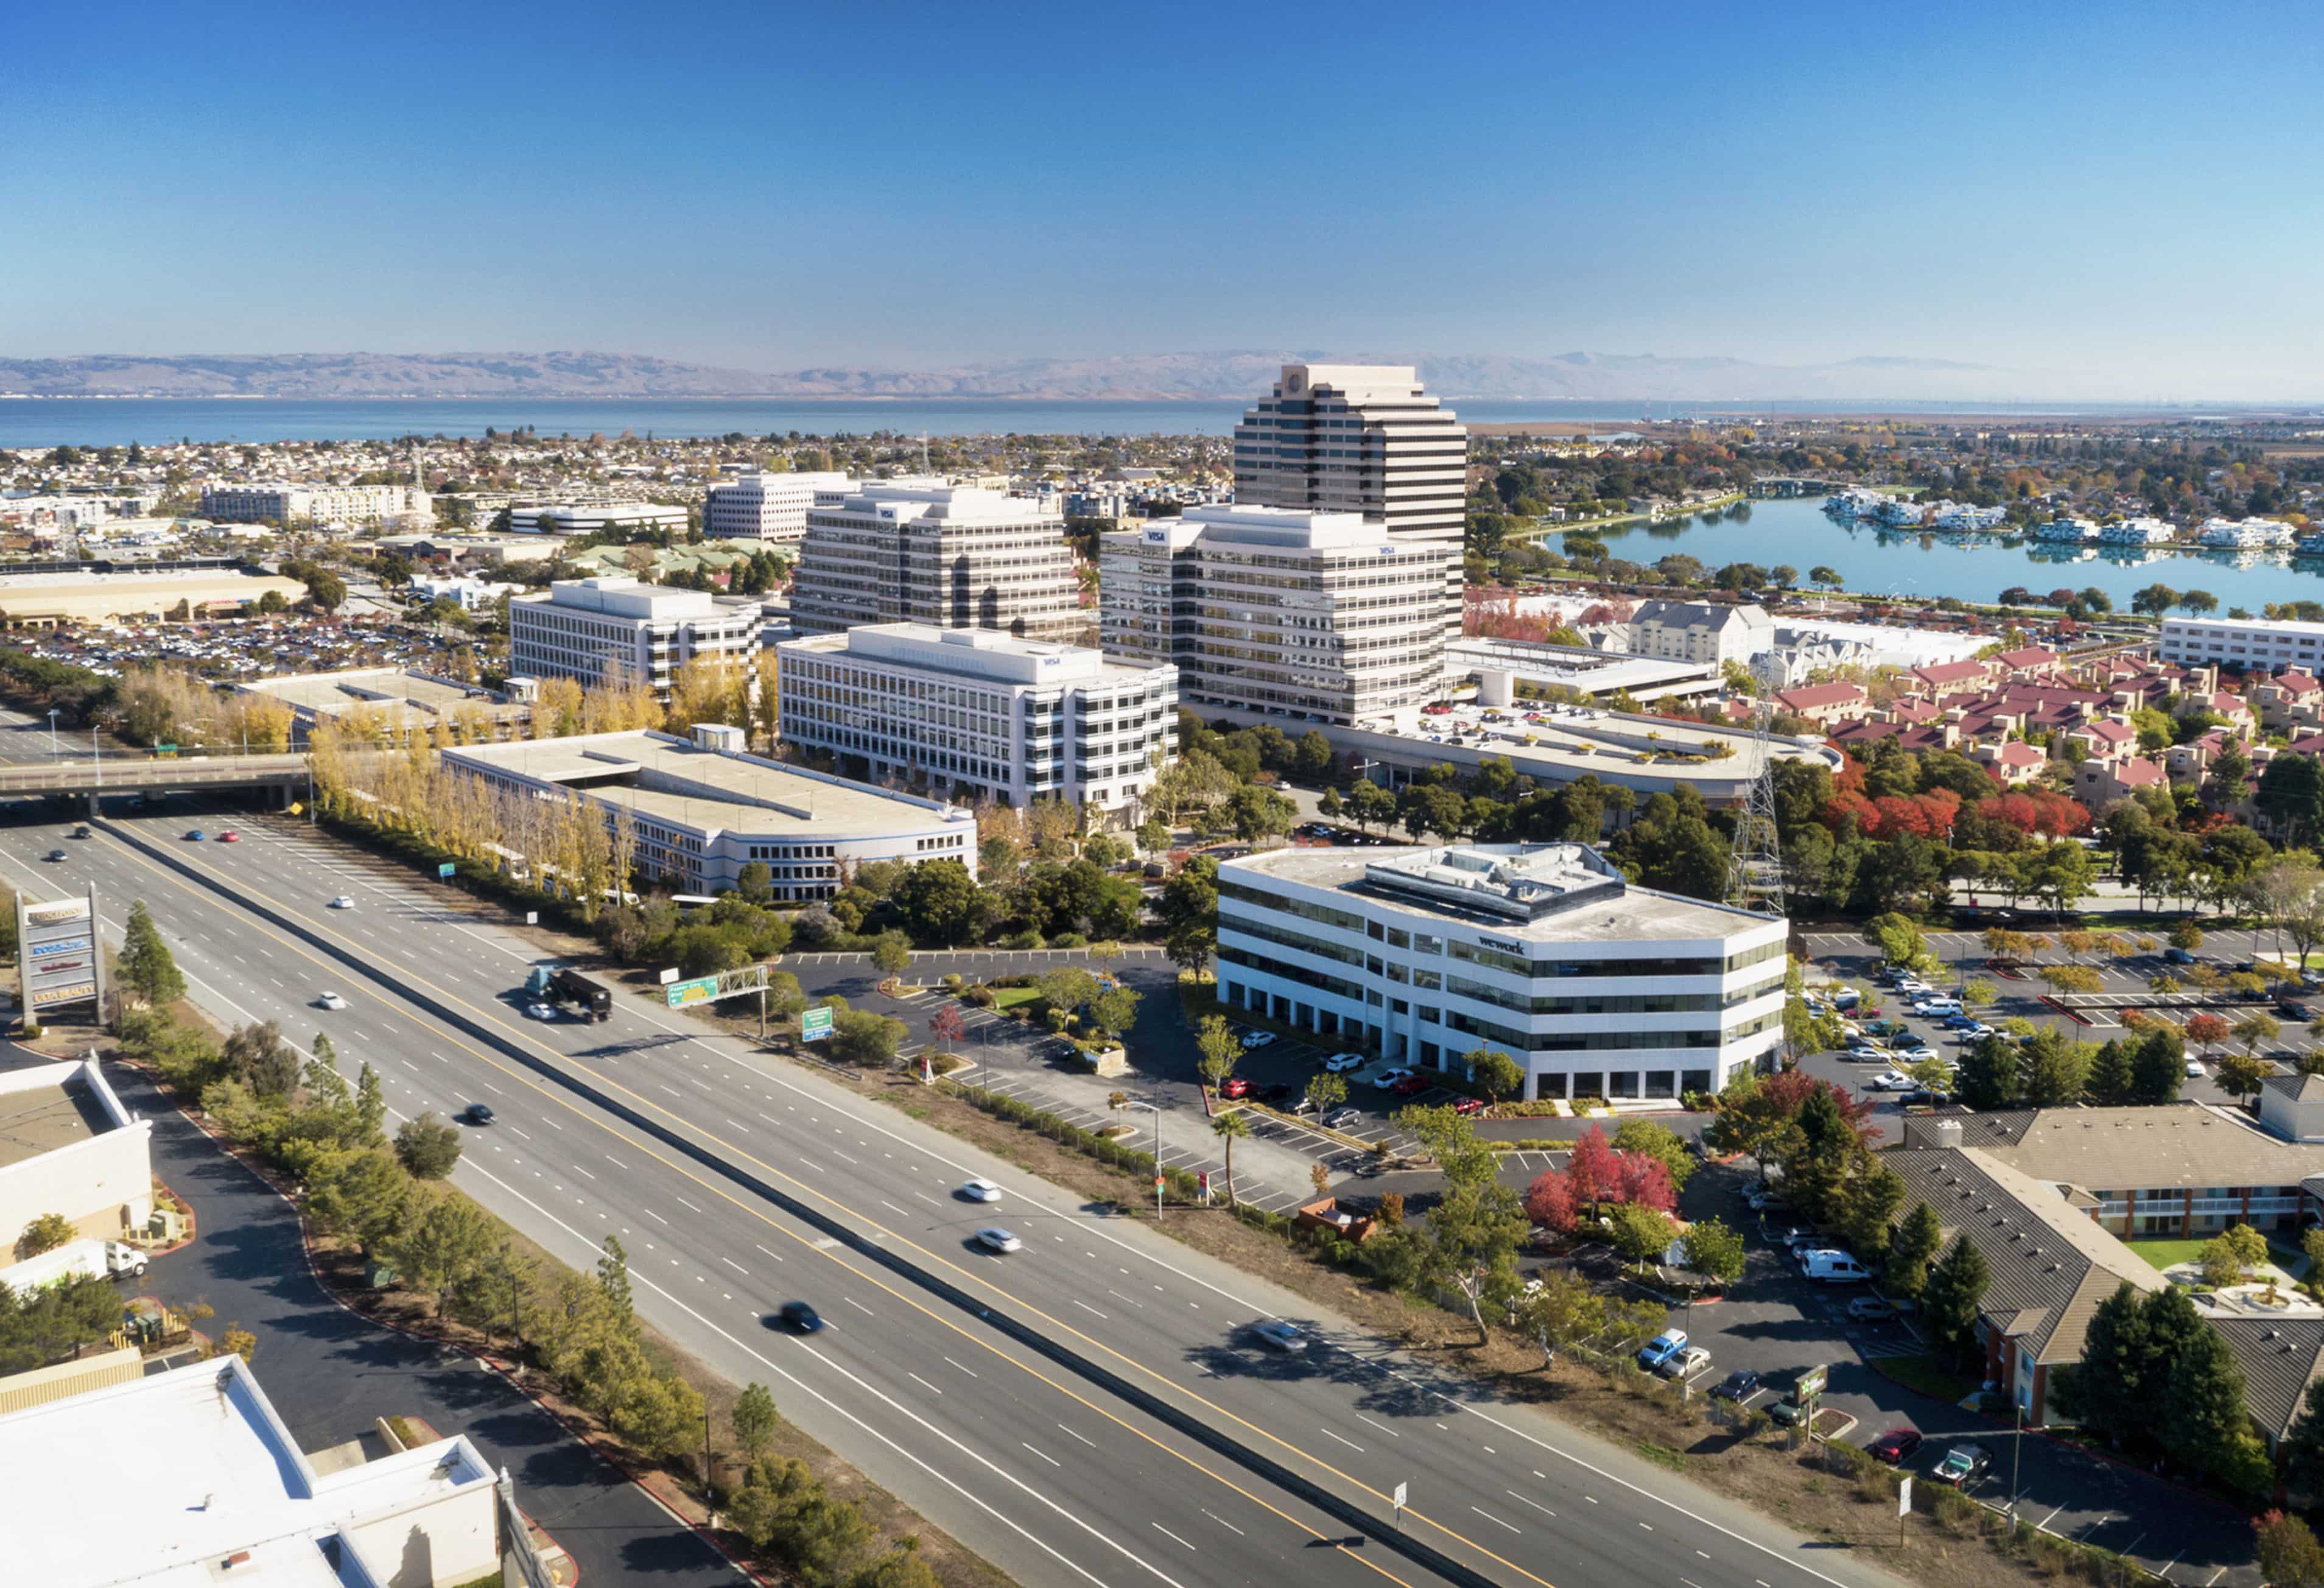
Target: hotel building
1597,988
2266,645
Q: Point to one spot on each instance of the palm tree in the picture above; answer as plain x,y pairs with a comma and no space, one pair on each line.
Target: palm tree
1229,1127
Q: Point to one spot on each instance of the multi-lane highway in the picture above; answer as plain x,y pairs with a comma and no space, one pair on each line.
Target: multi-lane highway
1093,1409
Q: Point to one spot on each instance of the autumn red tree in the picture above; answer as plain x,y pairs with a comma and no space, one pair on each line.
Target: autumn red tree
2206,1031
1594,1171
1646,1182
1549,1201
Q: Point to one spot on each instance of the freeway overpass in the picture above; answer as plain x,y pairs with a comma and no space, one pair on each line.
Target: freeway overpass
94,776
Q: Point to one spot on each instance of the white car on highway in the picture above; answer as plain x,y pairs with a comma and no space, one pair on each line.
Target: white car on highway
995,1238
541,1012
343,902
332,1001
981,1191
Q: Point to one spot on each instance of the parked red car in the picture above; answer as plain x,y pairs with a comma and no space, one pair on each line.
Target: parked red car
1236,1086
1411,1084
1469,1105
1895,1445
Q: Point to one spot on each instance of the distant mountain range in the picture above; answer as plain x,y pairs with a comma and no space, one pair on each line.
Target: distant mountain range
1148,377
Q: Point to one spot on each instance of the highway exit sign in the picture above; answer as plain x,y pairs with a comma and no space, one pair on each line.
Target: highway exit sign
814,1025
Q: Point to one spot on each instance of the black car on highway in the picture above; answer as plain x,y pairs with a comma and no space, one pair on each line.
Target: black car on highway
799,1317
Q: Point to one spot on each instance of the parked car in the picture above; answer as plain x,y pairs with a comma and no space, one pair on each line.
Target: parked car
2292,1010
2176,957
1469,1105
1871,1309
1252,1040
1963,1464
1684,1365
1343,1119
1896,1445
1916,1053
1273,1092
1339,1062
1890,1081
1959,1023
2195,1071
1788,1411
1388,1080
1279,1336
1235,1086
1738,1386
1411,1086
1763,1198
1661,1348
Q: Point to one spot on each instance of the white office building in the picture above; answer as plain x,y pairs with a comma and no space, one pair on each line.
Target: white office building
1711,633
2271,644
1364,438
696,811
1316,617
590,629
926,551
768,506
1597,988
968,713
589,518
203,1484
322,505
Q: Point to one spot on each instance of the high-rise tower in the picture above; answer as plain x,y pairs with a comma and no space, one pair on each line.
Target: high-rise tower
1355,438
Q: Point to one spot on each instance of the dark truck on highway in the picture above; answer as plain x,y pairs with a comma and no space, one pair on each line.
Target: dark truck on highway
593,999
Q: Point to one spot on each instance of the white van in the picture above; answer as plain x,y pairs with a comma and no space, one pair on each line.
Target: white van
1835,1267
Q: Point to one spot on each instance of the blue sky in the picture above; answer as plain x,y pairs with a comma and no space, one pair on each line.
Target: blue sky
2129,194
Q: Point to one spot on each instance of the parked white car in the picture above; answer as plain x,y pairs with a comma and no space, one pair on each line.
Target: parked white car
1341,1063
1251,1040
1889,1081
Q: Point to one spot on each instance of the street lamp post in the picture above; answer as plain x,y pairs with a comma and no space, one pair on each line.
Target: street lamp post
54,754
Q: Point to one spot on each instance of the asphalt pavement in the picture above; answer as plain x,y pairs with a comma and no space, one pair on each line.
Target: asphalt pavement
1091,1407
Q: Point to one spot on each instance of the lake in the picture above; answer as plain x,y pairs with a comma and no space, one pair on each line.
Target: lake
1974,567
103,421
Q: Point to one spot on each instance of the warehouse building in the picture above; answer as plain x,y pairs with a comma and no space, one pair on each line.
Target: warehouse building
67,1145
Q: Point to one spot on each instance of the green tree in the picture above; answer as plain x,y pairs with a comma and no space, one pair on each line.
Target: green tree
1714,1250
1873,1197
782,1509
2109,1083
146,966
427,1147
1469,1241
40,1326
939,902
2289,1554
1657,1140
1991,1074
1898,937
2303,1447
900,1567
867,1039
1497,1074
2056,1069
2158,1067
1229,1127
1640,1233
1326,1091
1189,913
754,1419
1913,1245
2110,1387
361,1194
44,1233
265,1063
892,952
2203,1417
1219,1047
446,1243
370,1107
1949,1301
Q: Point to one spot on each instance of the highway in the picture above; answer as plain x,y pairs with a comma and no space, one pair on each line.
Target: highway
1091,1410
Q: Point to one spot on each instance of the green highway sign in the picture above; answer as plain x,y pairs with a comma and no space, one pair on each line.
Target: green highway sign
447,869
701,990
815,1025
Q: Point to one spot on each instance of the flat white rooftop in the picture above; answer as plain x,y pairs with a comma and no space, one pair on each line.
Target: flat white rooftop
972,654
619,595
1289,526
1534,893
157,1481
658,775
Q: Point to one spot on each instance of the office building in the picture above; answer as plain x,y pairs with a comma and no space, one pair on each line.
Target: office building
769,507
288,504
590,518
696,811
969,713
2266,645
1597,988
1701,631
187,1478
1360,439
590,629
1314,617
1149,584
954,557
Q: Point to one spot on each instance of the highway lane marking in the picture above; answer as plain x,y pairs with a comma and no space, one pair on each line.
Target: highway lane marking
1052,1460
946,1479
1087,1308
859,1307
1545,1510
1351,1443
924,1381
1083,1437
1497,1521
970,1371
682,1202
1222,1523
237,884
655,1217
1168,1534
777,1256
1383,1428
885,1203
737,1266
579,1170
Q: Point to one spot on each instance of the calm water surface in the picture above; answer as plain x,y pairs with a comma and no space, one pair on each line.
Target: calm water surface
1974,567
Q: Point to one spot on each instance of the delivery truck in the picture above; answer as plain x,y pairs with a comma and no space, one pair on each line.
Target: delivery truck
102,1259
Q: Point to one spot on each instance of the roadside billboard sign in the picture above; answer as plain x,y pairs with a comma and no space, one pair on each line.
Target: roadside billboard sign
58,961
